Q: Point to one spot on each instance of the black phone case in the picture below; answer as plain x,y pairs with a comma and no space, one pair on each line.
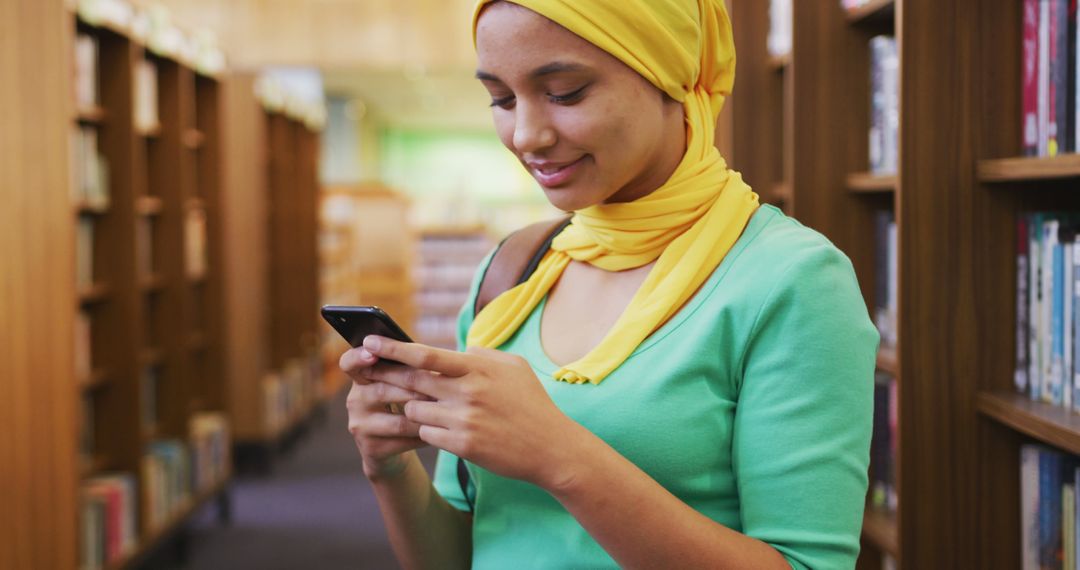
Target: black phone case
355,323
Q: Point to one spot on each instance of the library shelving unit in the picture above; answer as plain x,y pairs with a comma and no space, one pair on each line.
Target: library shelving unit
274,360
801,124
150,300
447,258
367,254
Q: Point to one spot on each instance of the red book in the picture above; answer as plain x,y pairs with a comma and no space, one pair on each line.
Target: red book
1030,74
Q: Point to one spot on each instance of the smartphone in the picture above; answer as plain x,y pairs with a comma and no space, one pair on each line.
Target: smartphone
355,323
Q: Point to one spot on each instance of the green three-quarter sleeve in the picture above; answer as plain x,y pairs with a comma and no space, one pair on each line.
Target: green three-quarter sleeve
803,419
445,476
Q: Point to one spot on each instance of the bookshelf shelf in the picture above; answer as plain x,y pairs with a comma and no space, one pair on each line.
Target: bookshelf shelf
84,207
870,183
94,293
872,12
778,63
1048,423
782,191
149,132
151,357
149,205
886,361
97,379
193,139
879,528
1025,169
90,115
96,464
152,283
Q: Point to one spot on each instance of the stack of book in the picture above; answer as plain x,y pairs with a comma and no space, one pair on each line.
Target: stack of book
210,443
108,519
883,444
166,476
195,242
84,252
90,170
886,298
1048,509
779,40
884,104
1048,77
1048,269
86,82
146,97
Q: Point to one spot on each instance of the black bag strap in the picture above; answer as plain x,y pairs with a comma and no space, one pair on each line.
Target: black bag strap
515,260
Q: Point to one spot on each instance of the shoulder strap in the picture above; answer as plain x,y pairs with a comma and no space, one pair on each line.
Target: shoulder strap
516,258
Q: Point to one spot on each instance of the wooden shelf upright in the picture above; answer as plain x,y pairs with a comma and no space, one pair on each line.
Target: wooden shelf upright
271,236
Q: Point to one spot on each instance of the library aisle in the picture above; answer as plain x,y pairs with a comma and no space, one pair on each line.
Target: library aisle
315,510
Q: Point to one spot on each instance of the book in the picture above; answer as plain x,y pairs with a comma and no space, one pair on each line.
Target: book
84,252
1044,77
146,97
1020,374
884,104
1030,78
86,61
195,242
1029,507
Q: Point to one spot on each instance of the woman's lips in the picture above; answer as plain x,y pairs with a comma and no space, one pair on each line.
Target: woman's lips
551,175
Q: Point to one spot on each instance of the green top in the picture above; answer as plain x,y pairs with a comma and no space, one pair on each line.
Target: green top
753,405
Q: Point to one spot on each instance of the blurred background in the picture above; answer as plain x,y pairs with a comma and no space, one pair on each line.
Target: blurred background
183,183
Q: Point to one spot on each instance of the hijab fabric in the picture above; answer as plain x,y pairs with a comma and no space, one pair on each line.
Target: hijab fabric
685,48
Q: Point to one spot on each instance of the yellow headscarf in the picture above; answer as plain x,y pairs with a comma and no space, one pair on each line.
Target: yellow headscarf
685,48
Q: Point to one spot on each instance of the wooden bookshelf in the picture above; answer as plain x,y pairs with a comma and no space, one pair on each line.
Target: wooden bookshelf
270,230
92,115
886,361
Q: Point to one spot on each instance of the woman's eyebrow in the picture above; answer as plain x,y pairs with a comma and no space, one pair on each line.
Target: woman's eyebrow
548,69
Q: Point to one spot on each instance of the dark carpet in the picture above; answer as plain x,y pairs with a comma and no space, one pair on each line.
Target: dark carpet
314,510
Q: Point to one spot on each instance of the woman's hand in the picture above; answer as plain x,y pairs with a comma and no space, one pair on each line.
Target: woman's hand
483,405
381,436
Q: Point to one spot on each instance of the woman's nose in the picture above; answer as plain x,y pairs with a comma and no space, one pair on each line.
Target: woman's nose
533,130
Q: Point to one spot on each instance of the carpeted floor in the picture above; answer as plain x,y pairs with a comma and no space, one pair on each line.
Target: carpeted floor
314,511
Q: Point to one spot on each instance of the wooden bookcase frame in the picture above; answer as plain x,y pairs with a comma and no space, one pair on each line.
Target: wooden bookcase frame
163,318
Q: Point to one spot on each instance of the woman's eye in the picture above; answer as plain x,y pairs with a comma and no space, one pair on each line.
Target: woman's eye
571,97
503,102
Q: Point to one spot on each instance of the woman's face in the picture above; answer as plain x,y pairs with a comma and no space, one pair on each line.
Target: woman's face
587,127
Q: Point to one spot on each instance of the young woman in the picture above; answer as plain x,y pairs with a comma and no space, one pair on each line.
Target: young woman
684,382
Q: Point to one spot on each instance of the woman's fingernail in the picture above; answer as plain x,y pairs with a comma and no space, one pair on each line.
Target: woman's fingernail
365,354
372,343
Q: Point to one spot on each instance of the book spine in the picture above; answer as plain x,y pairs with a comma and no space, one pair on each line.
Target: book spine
1029,506
1057,356
1030,94
1059,71
1068,105
1075,379
1020,375
1050,232
1067,320
1044,76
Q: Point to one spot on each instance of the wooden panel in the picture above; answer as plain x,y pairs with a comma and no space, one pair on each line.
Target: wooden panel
939,344
37,429
244,237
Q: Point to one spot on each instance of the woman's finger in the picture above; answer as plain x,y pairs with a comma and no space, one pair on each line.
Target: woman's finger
378,394
354,361
387,446
380,424
428,414
416,355
408,378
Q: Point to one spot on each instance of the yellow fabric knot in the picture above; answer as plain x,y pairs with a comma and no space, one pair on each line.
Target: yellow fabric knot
687,225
